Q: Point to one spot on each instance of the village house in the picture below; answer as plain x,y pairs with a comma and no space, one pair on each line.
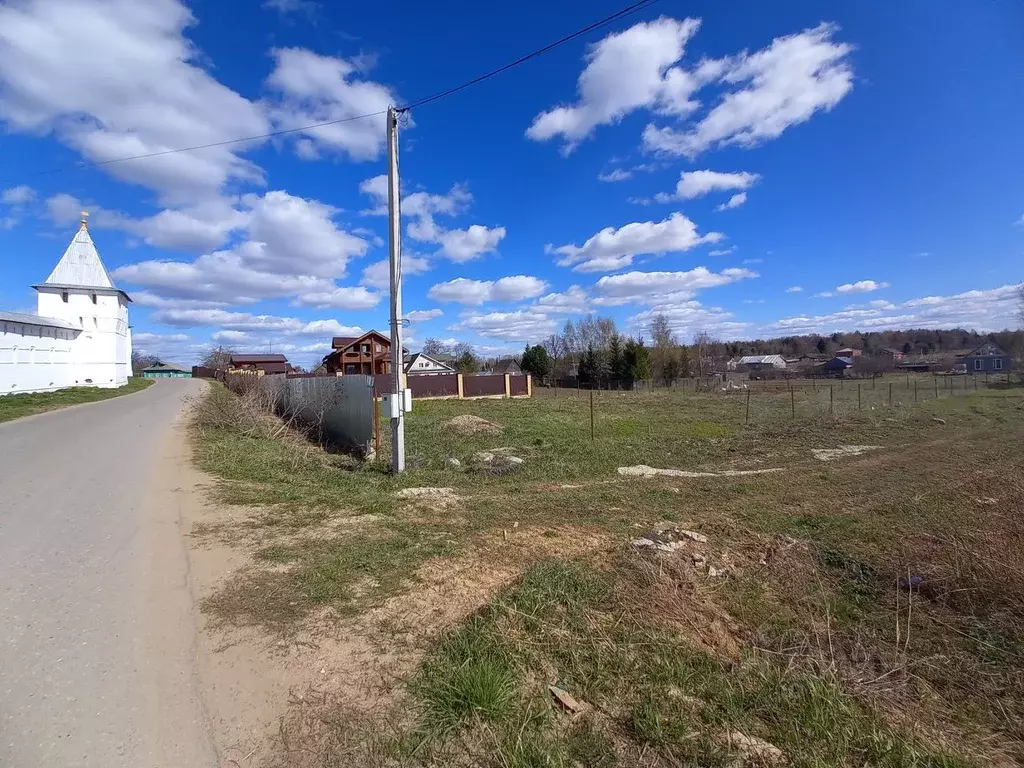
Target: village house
366,355
166,371
268,364
848,352
509,365
421,364
987,357
761,362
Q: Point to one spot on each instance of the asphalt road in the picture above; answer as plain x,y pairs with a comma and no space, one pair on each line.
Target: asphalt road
97,630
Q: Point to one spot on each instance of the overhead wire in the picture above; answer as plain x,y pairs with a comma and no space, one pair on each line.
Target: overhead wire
628,10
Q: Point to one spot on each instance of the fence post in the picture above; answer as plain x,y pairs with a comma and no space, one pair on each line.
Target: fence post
529,385
508,385
746,419
591,415
936,378
890,393
858,396
908,381
986,379
975,383
792,399
831,399
915,390
461,385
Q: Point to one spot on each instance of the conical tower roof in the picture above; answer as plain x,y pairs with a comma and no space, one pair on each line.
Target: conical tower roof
80,266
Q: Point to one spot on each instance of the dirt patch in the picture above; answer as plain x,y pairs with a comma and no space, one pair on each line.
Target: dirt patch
842,452
642,470
468,424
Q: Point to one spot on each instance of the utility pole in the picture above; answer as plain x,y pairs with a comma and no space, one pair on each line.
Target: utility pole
395,258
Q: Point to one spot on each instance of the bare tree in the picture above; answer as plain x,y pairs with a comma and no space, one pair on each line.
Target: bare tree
217,357
1020,304
702,344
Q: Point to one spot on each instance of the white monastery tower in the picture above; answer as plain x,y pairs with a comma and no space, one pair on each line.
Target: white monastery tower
80,336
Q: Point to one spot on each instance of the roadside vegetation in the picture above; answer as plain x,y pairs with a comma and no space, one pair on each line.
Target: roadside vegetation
16,406
860,610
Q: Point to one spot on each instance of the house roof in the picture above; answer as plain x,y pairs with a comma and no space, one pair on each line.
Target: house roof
166,367
503,366
46,322
760,359
414,358
247,358
80,266
848,361
341,342
987,342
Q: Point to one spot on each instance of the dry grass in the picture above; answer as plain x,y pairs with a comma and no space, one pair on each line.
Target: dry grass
807,634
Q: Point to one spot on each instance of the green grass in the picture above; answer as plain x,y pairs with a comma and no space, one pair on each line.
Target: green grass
649,692
17,406
822,613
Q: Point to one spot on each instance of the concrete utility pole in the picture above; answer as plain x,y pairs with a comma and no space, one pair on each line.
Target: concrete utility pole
395,258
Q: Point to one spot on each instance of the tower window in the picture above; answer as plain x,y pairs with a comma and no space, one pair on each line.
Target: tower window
94,298
64,296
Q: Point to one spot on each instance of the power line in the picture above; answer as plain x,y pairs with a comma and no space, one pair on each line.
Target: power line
637,6
539,52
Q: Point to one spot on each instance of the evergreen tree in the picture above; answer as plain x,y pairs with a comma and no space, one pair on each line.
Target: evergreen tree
468,363
536,361
616,360
586,369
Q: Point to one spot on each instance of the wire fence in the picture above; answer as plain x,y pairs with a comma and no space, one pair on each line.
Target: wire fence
775,400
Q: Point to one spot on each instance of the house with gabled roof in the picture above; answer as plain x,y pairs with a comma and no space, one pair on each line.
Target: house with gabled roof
366,355
987,357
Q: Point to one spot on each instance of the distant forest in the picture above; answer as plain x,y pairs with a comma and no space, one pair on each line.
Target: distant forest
919,342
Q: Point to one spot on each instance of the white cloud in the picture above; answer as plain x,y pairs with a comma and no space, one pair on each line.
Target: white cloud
794,289
861,286
785,84
378,274
342,297
461,245
19,195
612,249
421,315
618,174
250,323
734,202
292,247
686,318
521,325
147,299
137,91
654,287
458,245
157,338
316,89
574,300
189,229
463,291
752,261
290,6
625,71
981,310
693,184
722,251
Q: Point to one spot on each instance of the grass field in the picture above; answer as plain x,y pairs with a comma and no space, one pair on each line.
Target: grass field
16,406
859,611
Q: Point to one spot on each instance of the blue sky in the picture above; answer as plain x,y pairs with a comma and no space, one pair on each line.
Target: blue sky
700,160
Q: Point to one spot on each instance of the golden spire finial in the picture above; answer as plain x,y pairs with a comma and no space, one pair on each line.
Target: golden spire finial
85,216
